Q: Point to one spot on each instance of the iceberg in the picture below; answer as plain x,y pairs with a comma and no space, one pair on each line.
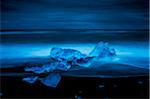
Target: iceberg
65,59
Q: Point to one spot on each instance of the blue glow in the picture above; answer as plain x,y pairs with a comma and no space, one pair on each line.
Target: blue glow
100,58
65,59
40,50
127,53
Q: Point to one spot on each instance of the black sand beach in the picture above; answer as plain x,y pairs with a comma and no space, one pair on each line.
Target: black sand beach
76,87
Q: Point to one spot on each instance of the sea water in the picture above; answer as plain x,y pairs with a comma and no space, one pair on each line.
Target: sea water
20,46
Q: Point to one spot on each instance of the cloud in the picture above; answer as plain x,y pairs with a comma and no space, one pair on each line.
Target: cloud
52,14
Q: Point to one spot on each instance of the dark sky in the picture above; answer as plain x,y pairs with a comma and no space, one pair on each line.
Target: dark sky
74,14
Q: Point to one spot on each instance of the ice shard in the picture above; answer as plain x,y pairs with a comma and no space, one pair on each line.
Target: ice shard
31,79
51,80
102,51
35,69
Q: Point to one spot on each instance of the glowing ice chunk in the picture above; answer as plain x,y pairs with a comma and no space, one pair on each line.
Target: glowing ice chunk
64,59
30,80
51,80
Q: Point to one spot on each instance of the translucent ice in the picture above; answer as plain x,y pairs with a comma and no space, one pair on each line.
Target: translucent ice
66,54
63,65
68,58
51,80
64,59
57,65
35,69
30,80
102,50
49,67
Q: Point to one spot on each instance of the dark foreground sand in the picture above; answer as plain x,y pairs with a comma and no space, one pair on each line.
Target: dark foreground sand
76,87
71,87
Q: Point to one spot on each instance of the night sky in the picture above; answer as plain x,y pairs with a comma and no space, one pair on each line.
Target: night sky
74,14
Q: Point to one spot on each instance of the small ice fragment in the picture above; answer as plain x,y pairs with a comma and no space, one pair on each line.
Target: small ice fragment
35,69
67,54
51,80
30,80
41,69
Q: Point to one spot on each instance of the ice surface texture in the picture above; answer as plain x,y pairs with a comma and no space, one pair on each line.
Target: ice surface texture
102,50
51,80
65,59
30,79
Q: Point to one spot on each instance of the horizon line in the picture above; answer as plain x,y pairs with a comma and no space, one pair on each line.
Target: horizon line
9,30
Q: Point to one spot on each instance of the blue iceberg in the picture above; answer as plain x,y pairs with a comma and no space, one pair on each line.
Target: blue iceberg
66,59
